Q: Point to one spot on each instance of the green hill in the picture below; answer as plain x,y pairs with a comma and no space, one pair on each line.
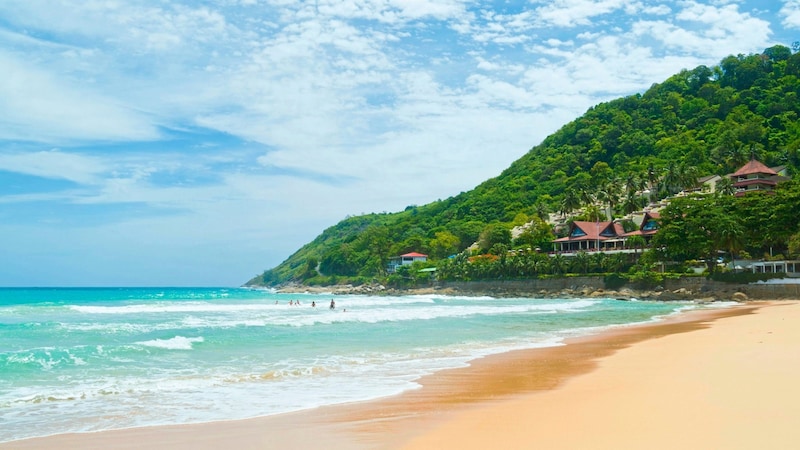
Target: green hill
623,153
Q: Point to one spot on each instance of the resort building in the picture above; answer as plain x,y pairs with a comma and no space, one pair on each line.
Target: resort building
789,268
705,185
755,176
404,260
591,236
648,227
607,237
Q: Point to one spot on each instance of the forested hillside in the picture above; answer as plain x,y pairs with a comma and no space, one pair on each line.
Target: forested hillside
621,154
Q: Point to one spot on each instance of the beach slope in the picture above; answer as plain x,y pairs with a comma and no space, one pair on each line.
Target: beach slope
733,385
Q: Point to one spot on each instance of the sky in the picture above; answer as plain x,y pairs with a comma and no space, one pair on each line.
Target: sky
200,142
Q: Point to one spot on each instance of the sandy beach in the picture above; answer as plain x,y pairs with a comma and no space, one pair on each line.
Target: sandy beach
708,379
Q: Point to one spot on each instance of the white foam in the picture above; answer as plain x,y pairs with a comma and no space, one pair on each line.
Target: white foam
176,343
159,308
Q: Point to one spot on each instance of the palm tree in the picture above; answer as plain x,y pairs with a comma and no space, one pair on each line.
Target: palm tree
636,242
580,262
672,178
633,184
730,236
725,186
631,203
609,194
688,176
570,202
543,265
558,263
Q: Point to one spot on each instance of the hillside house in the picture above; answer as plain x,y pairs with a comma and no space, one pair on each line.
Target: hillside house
755,176
648,228
404,260
591,236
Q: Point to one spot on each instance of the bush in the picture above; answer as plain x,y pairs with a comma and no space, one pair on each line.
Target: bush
743,277
646,279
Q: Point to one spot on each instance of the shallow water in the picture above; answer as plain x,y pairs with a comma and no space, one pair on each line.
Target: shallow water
75,360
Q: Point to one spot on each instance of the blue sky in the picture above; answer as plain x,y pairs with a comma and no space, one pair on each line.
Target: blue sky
155,142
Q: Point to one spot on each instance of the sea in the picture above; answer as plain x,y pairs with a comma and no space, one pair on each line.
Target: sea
92,359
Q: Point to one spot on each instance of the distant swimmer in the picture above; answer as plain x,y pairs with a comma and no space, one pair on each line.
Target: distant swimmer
313,304
290,303
333,304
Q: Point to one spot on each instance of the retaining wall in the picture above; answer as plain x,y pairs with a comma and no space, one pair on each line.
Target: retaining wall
672,289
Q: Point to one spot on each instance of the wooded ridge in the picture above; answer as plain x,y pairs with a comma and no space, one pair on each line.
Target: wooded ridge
617,158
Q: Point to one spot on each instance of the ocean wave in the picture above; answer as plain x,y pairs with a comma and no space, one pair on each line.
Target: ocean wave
171,307
364,310
176,343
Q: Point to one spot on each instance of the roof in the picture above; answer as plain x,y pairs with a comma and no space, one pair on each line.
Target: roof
702,180
752,167
414,255
593,231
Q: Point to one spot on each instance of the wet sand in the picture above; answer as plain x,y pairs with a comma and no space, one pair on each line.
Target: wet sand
704,379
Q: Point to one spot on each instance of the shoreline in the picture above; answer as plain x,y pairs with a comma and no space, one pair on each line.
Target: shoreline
391,422
730,382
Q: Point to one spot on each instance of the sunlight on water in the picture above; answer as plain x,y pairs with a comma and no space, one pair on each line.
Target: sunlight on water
95,359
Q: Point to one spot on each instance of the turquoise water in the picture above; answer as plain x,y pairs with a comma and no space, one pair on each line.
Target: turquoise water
77,360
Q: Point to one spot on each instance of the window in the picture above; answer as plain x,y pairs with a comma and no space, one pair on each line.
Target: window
577,232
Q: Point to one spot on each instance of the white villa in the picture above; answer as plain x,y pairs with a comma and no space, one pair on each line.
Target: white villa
404,260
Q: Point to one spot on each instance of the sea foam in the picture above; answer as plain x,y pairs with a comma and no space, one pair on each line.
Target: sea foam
176,343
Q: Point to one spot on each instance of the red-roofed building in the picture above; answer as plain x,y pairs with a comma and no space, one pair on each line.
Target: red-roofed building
754,176
591,236
403,260
648,228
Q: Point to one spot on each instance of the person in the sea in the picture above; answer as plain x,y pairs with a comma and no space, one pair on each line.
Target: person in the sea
333,304
313,304
290,303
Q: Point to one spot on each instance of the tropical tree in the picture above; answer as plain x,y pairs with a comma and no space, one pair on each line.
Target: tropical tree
444,244
580,262
558,263
492,235
725,186
729,235
794,245
636,242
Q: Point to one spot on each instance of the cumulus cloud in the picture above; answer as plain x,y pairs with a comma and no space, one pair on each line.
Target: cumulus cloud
791,13
571,13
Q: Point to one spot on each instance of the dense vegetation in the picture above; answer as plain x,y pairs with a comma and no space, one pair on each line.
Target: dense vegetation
614,159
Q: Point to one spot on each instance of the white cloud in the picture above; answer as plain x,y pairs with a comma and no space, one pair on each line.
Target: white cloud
55,164
571,13
708,30
345,107
37,106
791,13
